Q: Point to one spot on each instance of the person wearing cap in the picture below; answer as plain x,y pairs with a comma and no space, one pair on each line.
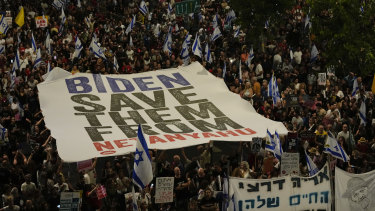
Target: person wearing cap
363,146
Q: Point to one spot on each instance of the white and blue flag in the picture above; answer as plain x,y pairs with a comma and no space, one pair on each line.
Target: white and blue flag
143,7
307,21
185,49
49,69
3,131
63,21
215,22
270,142
79,4
355,87
142,173
237,32
33,43
196,48
216,34
313,169
230,17
96,50
48,44
334,148
207,54
240,71
250,57
224,70
267,24
130,26
273,90
115,63
170,9
78,48
278,148
3,25
38,59
2,49
16,66
362,113
314,53
167,46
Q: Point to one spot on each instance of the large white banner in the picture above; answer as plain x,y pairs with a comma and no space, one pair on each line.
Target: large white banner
354,191
92,115
283,193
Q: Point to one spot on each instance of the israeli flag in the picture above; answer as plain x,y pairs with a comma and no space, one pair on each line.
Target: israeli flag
95,49
355,87
334,148
237,32
38,59
362,9
2,49
131,41
3,131
307,21
273,90
167,47
314,53
157,30
88,21
78,48
224,70
19,38
250,57
208,56
196,48
48,44
142,173
230,17
362,113
215,22
143,8
216,34
270,144
63,20
313,169
228,202
115,63
16,66
79,4
278,148
170,9
3,25
134,200
185,49
33,43
130,26
267,24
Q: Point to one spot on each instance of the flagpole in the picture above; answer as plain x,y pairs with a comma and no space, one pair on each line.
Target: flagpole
331,182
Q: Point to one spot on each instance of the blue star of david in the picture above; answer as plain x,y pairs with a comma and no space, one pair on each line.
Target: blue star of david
139,159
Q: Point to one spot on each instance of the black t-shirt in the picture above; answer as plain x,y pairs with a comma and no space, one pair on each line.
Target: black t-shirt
207,202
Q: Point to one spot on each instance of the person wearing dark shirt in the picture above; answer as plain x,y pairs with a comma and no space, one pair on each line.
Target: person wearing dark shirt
208,202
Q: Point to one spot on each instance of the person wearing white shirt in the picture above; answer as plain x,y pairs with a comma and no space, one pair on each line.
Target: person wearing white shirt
297,56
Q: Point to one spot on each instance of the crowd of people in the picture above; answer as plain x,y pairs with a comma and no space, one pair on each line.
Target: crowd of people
31,171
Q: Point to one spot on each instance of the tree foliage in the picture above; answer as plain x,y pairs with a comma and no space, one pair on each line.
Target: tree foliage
346,33
252,14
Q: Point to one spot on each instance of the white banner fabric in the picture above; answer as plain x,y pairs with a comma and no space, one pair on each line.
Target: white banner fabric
92,115
354,191
283,193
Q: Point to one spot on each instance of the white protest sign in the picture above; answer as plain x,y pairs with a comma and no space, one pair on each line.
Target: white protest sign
176,107
290,193
354,191
289,164
70,201
322,79
164,190
41,21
